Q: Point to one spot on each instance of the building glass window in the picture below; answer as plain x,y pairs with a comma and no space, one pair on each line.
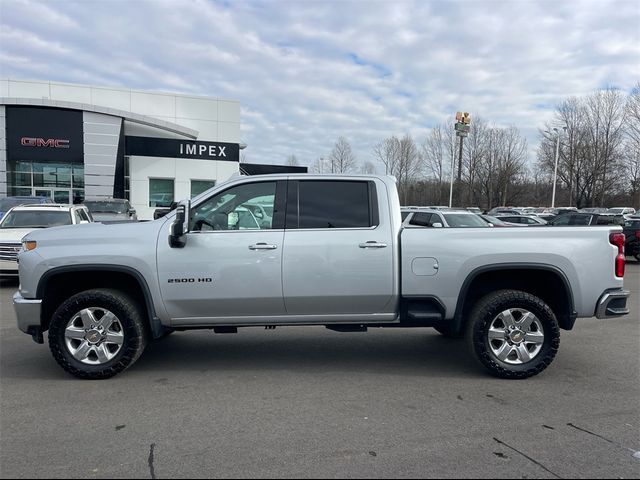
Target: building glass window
199,186
127,188
161,192
62,182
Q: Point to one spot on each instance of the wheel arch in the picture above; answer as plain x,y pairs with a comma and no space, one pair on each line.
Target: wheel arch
60,283
545,281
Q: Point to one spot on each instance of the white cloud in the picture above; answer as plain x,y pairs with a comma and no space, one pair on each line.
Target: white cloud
308,72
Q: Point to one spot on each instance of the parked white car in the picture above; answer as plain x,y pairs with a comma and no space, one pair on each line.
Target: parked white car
624,211
24,219
428,217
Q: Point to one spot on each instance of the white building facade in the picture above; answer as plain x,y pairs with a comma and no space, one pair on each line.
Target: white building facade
76,142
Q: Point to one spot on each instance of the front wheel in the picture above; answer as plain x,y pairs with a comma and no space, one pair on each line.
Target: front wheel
513,334
97,333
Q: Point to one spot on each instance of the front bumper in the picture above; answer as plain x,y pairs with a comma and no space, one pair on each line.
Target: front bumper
613,303
27,314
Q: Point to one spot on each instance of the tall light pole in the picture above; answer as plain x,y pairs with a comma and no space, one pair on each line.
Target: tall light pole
461,128
555,168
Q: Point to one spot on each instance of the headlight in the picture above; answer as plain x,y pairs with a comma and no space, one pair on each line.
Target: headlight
29,245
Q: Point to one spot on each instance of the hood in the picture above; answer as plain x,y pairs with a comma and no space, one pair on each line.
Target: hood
14,234
96,232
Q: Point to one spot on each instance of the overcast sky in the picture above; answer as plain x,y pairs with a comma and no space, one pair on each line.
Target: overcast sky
306,72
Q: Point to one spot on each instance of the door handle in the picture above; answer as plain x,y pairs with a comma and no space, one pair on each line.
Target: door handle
262,246
372,244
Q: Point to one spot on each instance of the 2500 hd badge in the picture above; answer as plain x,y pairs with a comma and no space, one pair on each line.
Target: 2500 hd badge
190,280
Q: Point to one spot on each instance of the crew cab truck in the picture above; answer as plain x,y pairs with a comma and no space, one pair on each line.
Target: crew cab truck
333,253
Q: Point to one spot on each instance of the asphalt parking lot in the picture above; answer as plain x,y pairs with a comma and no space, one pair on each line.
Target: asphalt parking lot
307,402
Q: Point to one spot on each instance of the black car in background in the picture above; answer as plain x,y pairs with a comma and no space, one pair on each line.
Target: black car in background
582,219
631,230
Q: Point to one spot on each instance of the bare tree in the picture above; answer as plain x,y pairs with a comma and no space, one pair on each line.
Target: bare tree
401,159
474,153
320,166
368,168
438,153
604,111
341,158
590,153
292,161
387,152
631,156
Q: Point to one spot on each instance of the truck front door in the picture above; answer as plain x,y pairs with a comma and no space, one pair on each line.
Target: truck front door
231,265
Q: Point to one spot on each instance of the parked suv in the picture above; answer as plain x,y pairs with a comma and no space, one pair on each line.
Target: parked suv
25,218
631,231
442,218
625,211
575,219
112,210
530,220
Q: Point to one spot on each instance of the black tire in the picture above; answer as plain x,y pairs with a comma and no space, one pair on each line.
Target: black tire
448,332
489,311
131,325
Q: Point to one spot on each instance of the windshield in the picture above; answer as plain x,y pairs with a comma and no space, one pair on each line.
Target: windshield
107,207
7,203
464,221
616,210
35,219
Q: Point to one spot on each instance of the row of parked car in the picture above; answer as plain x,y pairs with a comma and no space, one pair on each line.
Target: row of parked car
21,215
439,217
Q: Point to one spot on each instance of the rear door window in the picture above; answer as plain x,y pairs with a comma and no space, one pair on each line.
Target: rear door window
331,204
422,219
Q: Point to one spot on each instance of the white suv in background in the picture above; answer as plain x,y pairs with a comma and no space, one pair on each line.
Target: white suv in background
23,219
624,211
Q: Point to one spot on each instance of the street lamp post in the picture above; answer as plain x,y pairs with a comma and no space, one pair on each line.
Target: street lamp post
555,168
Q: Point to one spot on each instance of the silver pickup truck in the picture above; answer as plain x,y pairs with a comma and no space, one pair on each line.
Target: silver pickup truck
319,250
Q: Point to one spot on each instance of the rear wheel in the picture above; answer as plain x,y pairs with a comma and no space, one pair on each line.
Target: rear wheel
513,334
97,334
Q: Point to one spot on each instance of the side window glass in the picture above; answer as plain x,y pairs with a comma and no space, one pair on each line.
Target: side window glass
421,219
333,204
562,220
245,207
76,216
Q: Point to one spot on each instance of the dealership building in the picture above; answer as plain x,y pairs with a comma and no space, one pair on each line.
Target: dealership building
76,142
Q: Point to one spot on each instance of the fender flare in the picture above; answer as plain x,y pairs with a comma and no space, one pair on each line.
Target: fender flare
462,296
155,323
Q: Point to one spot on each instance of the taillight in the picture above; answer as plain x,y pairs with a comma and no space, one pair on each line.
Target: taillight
617,239
637,234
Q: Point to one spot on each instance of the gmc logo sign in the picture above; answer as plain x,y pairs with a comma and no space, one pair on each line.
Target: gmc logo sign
41,142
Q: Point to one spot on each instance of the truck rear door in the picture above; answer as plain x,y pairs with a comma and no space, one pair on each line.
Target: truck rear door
338,249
